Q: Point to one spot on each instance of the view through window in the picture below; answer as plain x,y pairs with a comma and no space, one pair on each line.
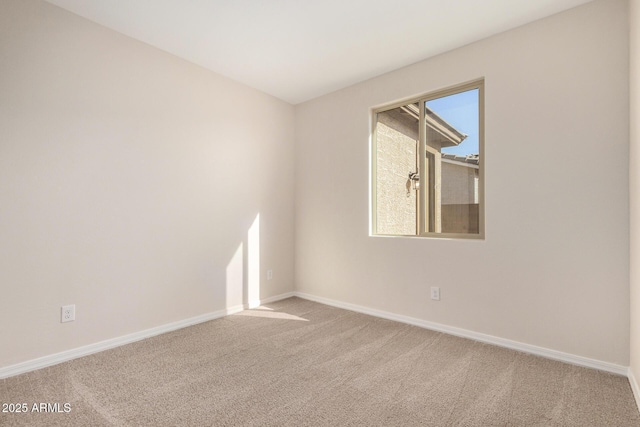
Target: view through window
428,166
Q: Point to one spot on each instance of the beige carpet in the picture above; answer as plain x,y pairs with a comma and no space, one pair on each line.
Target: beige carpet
299,363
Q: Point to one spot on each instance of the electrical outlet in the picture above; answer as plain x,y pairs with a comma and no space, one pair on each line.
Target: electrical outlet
68,313
269,274
435,293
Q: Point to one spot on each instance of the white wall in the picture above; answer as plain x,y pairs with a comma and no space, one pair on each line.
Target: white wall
554,268
634,190
128,180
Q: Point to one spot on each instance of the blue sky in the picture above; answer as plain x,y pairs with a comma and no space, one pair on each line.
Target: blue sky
461,111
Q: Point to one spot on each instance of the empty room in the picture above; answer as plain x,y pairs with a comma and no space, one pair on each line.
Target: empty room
252,213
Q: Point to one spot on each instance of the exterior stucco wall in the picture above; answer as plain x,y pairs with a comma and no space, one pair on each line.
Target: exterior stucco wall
396,204
459,184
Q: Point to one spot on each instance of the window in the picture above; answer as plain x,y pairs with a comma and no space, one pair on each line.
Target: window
427,164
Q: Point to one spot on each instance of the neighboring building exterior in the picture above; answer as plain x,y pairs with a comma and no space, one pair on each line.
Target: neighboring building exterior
460,193
396,158
452,180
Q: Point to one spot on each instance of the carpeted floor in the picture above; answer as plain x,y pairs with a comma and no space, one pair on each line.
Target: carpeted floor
299,363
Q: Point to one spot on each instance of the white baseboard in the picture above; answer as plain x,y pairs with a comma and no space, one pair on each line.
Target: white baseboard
42,362
634,387
54,359
464,333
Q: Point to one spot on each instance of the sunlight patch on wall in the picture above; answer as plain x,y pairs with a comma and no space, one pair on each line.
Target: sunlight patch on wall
253,258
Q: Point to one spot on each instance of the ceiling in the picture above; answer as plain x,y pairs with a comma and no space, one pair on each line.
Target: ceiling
297,50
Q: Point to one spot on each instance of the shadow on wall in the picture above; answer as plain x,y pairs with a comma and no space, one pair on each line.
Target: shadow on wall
243,278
